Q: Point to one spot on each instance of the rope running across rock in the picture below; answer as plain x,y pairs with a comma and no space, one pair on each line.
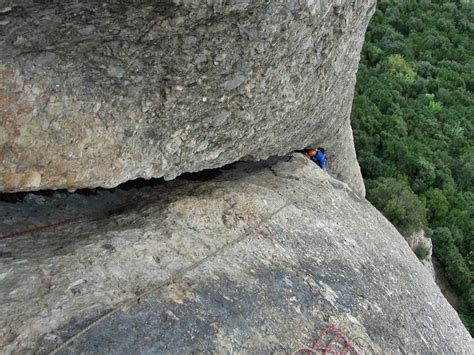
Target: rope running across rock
133,202
330,341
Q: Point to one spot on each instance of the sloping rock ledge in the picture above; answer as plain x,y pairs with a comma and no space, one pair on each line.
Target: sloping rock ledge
257,262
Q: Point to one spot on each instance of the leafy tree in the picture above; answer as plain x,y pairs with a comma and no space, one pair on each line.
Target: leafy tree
457,271
450,79
398,203
398,65
465,174
436,203
413,127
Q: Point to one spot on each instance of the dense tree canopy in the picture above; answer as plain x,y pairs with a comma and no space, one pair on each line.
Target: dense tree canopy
413,121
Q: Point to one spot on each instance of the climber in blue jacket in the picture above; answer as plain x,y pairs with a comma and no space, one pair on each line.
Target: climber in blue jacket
319,157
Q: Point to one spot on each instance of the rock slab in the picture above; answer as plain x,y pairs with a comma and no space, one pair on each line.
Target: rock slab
257,260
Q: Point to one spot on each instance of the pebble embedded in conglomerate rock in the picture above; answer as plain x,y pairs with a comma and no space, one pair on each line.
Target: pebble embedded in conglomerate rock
256,260
98,93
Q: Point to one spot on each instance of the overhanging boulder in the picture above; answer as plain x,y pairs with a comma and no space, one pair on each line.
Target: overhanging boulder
98,93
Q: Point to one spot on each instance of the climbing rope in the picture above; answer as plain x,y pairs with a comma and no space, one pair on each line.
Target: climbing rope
133,202
173,278
330,341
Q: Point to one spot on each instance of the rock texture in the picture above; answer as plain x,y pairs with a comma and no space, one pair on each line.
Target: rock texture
258,260
97,93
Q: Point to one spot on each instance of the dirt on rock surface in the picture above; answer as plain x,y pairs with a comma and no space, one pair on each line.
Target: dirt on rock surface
253,260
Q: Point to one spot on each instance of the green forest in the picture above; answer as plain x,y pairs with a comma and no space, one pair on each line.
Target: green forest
413,125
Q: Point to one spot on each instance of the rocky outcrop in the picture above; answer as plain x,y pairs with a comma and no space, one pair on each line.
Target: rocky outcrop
98,93
257,260
422,246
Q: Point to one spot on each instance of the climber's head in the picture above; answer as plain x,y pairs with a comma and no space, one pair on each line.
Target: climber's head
312,153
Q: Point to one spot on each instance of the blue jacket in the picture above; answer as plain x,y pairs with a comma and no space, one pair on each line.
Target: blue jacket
320,159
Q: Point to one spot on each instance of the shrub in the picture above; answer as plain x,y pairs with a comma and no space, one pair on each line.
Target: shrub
422,252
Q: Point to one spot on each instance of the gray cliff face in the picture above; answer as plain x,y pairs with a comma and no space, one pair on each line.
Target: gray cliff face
257,260
98,93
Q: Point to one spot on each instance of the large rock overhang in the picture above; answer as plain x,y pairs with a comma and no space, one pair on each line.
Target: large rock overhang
95,94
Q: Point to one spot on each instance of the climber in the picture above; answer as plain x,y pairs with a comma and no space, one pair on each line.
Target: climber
319,157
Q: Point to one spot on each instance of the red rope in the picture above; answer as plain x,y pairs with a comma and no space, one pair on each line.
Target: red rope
330,341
